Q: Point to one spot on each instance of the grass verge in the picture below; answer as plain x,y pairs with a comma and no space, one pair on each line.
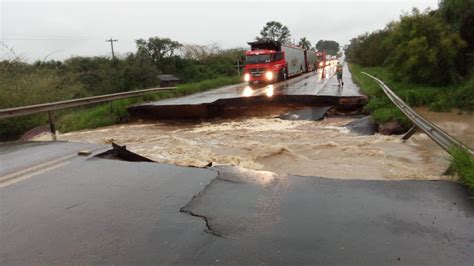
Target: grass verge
379,105
442,98
103,114
116,111
463,164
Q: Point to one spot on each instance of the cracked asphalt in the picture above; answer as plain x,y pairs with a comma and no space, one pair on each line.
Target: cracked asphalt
101,211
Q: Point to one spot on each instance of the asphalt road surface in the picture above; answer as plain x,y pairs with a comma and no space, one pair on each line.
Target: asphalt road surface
307,84
101,211
307,90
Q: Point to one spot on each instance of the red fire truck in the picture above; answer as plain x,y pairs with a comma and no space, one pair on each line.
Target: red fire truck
271,61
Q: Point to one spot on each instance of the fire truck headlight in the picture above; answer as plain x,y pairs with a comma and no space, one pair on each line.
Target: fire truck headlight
246,76
269,75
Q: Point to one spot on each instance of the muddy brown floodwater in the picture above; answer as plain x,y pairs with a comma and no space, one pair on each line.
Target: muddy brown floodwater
324,148
457,124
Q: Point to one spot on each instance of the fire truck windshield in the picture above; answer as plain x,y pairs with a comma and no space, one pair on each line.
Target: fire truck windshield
256,59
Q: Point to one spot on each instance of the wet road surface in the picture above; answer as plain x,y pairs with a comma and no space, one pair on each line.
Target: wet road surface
307,84
22,157
310,89
100,211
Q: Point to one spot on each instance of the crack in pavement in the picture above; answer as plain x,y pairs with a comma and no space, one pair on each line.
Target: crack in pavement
208,226
219,177
209,229
231,175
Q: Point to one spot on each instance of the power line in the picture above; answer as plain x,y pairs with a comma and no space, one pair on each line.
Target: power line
7,37
111,40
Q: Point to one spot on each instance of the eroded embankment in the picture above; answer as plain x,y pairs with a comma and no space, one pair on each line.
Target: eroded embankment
311,148
272,104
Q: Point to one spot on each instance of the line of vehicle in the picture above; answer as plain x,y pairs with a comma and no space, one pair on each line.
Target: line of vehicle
443,139
45,107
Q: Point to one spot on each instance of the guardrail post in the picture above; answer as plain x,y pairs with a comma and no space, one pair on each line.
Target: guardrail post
410,133
51,125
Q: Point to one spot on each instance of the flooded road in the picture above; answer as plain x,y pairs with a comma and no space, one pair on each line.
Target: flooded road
309,148
263,142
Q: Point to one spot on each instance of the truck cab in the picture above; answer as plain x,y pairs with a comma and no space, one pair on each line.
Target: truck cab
271,61
265,62
264,66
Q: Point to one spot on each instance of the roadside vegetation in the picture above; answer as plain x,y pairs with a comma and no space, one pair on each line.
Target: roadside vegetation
437,98
427,59
200,67
463,164
116,112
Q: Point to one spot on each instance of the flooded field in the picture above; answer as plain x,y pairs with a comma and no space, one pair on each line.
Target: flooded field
324,148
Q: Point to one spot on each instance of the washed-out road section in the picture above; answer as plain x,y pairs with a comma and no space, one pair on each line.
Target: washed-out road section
103,211
61,208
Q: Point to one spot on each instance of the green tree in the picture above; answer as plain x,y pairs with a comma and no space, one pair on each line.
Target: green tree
138,72
331,47
456,12
460,15
423,49
275,31
369,49
305,43
157,48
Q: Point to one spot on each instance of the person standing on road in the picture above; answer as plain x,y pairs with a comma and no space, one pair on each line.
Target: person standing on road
339,74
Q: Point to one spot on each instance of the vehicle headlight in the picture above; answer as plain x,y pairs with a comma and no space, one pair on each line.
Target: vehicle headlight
269,75
321,64
246,76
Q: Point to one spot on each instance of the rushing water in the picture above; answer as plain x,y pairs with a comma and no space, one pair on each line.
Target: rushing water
459,125
323,148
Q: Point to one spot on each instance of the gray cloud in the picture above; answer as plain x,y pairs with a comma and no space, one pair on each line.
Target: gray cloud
36,29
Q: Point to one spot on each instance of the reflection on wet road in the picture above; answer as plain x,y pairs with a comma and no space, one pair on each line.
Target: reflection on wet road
320,82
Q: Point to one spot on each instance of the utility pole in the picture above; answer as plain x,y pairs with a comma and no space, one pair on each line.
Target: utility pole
238,67
111,40
239,64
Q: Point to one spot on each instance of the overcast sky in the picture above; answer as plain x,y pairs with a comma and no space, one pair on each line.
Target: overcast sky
36,29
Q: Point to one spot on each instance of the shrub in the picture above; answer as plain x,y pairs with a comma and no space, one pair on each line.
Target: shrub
463,164
464,97
423,49
369,49
387,114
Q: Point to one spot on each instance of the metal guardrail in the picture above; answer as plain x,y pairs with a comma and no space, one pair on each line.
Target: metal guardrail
438,135
50,107
46,107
